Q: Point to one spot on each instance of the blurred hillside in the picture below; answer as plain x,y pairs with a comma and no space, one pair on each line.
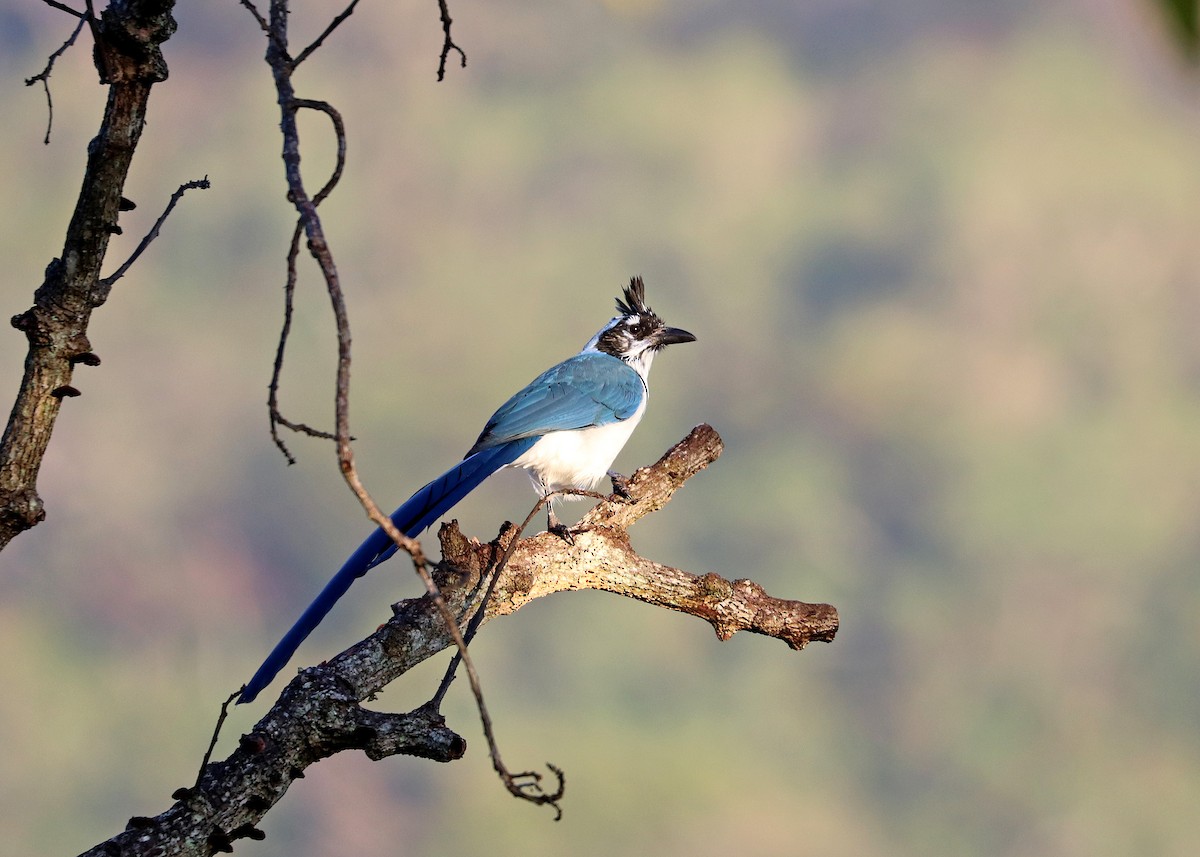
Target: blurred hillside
942,259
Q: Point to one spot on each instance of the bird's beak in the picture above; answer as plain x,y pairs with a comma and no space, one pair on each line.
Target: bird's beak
673,335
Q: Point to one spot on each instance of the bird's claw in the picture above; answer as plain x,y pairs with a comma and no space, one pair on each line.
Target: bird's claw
620,485
563,532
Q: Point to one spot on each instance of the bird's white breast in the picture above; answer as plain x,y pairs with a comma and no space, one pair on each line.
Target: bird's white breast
579,458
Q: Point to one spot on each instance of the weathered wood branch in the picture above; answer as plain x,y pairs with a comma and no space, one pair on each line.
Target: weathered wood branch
128,38
319,713
601,558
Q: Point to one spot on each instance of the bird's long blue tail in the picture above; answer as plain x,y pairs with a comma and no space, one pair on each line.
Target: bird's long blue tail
417,513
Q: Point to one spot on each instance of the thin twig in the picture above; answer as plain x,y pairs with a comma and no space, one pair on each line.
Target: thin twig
525,785
44,75
447,42
202,184
481,610
62,7
333,25
274,415
271,35
258,16
282,69
216,734
339,128
89,15
289,291
530,790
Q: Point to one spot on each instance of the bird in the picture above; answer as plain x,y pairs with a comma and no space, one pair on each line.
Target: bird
565,427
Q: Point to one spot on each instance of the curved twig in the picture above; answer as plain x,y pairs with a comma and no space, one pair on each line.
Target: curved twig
527,784
530,789
44,74
289,293
107,282
274,414
339,129
282,69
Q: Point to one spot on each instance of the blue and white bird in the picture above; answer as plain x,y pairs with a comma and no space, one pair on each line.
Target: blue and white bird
565,427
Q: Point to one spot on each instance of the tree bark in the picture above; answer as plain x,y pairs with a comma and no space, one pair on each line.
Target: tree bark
128,38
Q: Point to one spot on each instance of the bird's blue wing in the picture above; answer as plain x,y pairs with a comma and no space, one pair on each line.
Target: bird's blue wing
589,389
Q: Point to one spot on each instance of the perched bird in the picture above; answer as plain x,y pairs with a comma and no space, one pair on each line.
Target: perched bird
565,427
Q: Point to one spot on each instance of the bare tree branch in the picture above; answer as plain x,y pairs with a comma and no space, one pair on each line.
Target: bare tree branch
129,59
63,7
106,284
526,785
258,16
44,74
274,414
319,712
339,129
320,40
447,41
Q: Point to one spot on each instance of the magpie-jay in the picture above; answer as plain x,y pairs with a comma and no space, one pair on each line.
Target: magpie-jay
565,427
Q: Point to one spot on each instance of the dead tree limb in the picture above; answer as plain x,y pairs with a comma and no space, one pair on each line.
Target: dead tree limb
43,77
320,711
128,39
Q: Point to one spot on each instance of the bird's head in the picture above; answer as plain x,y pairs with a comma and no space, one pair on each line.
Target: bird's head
637,334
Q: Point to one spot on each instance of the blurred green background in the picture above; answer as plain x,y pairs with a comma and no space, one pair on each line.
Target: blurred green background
942,258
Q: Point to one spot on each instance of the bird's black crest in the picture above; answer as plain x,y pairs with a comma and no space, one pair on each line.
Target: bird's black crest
635,299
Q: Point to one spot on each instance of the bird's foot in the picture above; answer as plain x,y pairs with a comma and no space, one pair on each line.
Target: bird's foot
620,484
563,532
554,525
